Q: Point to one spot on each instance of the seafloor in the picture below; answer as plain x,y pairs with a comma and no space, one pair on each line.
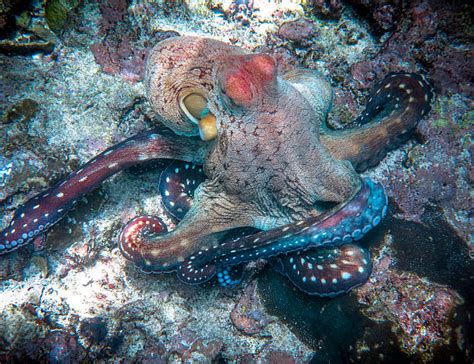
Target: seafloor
71,86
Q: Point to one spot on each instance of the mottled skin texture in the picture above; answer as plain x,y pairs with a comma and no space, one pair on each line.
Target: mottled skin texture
272,165
251,181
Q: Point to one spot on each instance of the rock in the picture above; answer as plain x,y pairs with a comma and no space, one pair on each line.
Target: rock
62,347
248,315
420,311
20,112
327,8
93,330
57,12
297,30
384,14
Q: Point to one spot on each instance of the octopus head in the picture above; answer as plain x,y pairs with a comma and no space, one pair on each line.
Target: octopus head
179,83
194,84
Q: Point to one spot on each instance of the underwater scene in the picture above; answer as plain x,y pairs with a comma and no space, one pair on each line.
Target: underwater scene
236,181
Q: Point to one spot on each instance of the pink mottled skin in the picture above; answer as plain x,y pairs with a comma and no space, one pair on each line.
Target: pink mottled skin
273,162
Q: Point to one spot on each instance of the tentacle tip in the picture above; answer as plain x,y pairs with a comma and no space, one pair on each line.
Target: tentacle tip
135,236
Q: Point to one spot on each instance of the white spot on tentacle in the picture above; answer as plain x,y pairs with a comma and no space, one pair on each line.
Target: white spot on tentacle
346,275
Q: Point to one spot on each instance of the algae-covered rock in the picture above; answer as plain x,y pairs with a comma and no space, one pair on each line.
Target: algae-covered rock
21,111
57,11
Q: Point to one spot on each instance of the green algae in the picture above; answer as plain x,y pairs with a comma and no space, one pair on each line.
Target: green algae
57,12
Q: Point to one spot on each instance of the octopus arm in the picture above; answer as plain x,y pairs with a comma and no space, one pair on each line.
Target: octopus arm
41,212
226,276
346,223
393,110
210,217
327,272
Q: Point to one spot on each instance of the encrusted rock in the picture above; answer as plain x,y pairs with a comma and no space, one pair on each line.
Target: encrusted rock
297,30
419,311
248,315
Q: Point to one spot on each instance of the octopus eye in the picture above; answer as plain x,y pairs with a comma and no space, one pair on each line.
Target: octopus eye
194,106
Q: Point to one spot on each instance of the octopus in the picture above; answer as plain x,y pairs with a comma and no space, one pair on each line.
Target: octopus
255,170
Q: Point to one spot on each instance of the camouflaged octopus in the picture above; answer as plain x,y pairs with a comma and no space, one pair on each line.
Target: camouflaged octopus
258,173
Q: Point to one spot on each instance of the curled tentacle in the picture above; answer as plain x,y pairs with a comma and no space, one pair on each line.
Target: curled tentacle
41,212
347,222
394,108
209,219
178,182
137,227
327,271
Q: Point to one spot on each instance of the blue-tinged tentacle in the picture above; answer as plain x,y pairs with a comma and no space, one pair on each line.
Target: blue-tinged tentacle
316,240
346,223
41,212
327,271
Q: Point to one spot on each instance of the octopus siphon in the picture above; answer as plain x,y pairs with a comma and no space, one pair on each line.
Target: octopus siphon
255,173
